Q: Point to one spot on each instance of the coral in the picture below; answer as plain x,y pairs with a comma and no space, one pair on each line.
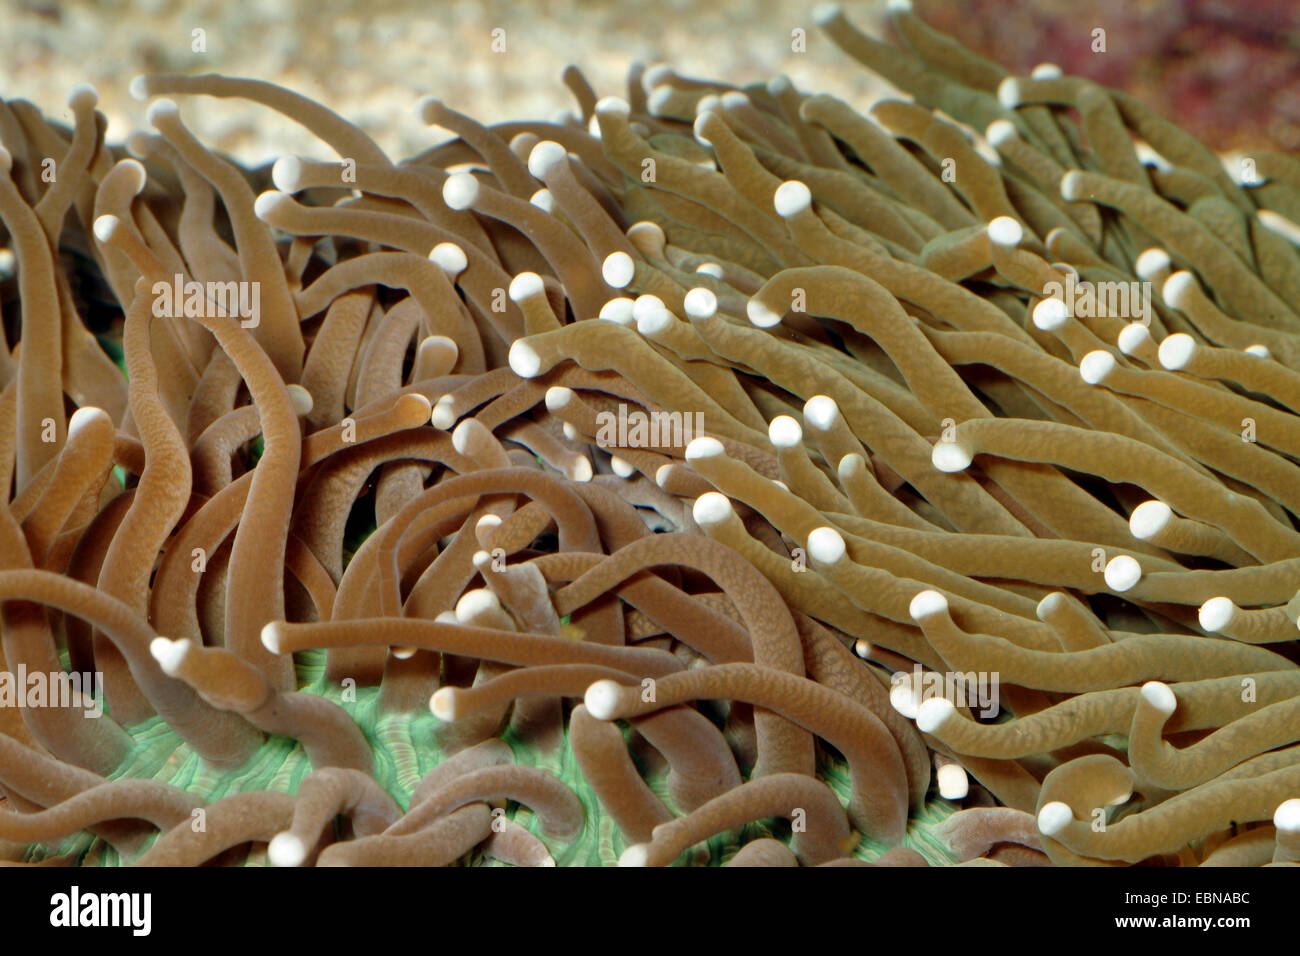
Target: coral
717,475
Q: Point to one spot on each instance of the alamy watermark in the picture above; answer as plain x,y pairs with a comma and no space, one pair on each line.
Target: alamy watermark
58,689
637,429
76,909
1120,300
977,690
196,300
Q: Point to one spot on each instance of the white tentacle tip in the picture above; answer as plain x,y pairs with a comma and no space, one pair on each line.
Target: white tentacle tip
84,416
1096,366
443,414
760,315
635,855
1005,231
784,431
711,508
704,117
440,343
1050,314
271,636
700,303
791,198
933,714
1176,351
544,157
927,603
133,171
618,270
647,234
301,400
579,469
619,310
169,654
601,699
286,849
474,603
460,191
1009,93
999,132
1072,186
655,323
443,704
613,106
1277,223
1160,696
951,456
826,545
463,435
951,781
524,360
524,286
286,174
779,85
1176,288
1122,573
1149,519
1216,614
1132,337
734,99
903,697
704,447
820,412
1049,605
1287,816
543,199
160,111
106,227
557,397
1151,262
1054,817
266,204
656,75
450,258
645,304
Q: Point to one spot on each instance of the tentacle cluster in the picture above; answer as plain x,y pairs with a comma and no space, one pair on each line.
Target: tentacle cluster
719,474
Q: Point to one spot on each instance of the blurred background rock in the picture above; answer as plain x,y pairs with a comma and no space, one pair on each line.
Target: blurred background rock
1227,70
